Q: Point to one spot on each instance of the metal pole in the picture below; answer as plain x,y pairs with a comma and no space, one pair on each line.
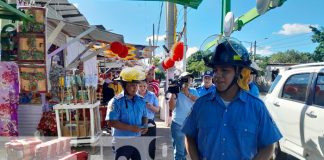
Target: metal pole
170,32
185,38
153,53
226,7
169,42
251,48
254,54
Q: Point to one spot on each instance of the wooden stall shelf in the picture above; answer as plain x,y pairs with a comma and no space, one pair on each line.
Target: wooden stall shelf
81,130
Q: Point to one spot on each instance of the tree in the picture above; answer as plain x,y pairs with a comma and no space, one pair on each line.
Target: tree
159,74
318,37
195,63
156,60
262,62
291,56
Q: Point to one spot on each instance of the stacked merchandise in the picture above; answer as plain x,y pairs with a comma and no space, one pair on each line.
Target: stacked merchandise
76,90
36,149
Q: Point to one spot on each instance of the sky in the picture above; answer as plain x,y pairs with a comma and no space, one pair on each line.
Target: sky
280,29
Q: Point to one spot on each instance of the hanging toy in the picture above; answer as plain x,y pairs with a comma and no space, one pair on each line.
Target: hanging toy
177,51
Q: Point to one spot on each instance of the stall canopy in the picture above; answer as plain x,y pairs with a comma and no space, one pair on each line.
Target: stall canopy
74,29
75,22
10,12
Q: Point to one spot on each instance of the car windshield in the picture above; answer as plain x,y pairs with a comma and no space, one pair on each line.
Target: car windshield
274,83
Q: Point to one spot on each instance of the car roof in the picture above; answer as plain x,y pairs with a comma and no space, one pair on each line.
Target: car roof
302,69
306,65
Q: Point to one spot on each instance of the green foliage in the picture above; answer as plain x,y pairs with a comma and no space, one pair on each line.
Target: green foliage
291,56
159,74
318,37
262,62
156,61
195,63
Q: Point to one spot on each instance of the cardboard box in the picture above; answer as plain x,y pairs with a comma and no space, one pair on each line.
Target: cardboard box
76,129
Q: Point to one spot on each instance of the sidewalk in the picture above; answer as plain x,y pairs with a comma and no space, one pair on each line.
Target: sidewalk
165,139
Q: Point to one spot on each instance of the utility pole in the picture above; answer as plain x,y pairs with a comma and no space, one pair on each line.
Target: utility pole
170,33
251,48
153,53
254,53
185,38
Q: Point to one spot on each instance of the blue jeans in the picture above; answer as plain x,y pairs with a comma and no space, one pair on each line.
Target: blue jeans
178,142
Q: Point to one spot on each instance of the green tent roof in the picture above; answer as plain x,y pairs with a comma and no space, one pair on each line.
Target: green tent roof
190,3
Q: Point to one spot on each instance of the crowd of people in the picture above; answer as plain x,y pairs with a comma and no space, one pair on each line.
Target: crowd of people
221,119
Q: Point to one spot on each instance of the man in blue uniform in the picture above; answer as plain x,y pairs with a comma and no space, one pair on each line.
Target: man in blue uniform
127,113
181,104
208,85
230,123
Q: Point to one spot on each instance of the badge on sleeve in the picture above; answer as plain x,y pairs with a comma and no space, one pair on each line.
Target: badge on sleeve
110,106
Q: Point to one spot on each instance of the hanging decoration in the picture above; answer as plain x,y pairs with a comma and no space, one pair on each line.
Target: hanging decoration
32,52
116,47
177,51
9,43
168,62
133,52
124,53
9,89
163,66
37,26
31,48
33,79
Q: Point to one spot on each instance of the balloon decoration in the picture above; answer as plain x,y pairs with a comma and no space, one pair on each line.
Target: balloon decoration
177,51
124,53
117,47
163,66
168,63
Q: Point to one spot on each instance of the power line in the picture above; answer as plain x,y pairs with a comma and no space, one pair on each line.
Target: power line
282,39
286,43
158,30
294,45
181,18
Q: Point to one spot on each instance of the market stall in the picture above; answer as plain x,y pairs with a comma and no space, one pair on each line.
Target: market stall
43,50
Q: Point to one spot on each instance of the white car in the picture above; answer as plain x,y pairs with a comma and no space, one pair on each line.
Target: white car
296,103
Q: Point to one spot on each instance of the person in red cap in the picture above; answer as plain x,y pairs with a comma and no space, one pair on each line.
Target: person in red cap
153,85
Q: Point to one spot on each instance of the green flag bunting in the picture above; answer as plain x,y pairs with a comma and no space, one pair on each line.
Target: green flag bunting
190,3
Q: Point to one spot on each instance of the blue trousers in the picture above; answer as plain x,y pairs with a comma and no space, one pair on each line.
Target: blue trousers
178,142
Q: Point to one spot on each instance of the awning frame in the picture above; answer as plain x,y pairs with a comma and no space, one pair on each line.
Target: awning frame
18,15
